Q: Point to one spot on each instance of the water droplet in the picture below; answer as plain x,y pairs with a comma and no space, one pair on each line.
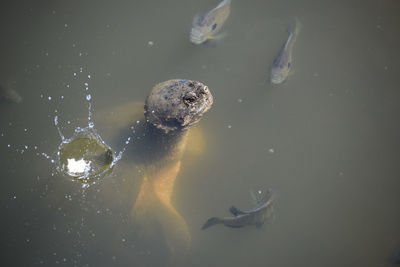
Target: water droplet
8,145
49,98
88,97
150,43
89,76
74,74
229,126
271,151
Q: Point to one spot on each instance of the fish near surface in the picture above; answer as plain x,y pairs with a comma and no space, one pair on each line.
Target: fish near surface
256,216
9,94
205,27
283,62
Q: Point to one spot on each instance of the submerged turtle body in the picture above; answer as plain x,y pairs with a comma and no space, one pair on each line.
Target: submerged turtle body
171,108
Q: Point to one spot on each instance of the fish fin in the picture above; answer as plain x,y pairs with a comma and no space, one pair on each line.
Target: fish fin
210,43
210,222
255,196
198,19
235,211
266,197
218,36
259,225
271,213
234,226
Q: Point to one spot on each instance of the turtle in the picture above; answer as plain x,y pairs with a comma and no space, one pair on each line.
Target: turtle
170,111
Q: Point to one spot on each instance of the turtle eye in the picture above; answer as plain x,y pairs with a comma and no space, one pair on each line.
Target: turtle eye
190,97
214,26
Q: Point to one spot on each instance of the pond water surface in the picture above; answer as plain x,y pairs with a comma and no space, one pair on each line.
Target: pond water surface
326,140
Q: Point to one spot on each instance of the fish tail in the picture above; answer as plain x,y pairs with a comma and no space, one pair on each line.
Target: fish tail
224,2
210,222
295,27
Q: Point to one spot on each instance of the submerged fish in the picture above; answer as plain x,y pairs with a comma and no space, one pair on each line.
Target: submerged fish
395,258
9,94
283,62
256,216
205,27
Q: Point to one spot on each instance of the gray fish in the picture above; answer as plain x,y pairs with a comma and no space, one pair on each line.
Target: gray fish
9,94
256,216
283,62
205,27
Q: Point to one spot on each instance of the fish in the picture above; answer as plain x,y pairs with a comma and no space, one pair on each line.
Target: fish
9,94
256,216
283,62
205,27
395,258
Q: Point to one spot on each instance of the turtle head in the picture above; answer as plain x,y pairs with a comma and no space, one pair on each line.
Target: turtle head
177,104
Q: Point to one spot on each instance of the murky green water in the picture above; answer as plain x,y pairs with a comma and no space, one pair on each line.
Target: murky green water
326,140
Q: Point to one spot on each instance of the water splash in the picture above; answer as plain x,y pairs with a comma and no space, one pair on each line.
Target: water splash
85,157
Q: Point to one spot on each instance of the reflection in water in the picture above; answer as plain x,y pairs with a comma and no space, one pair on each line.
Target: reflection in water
85,156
